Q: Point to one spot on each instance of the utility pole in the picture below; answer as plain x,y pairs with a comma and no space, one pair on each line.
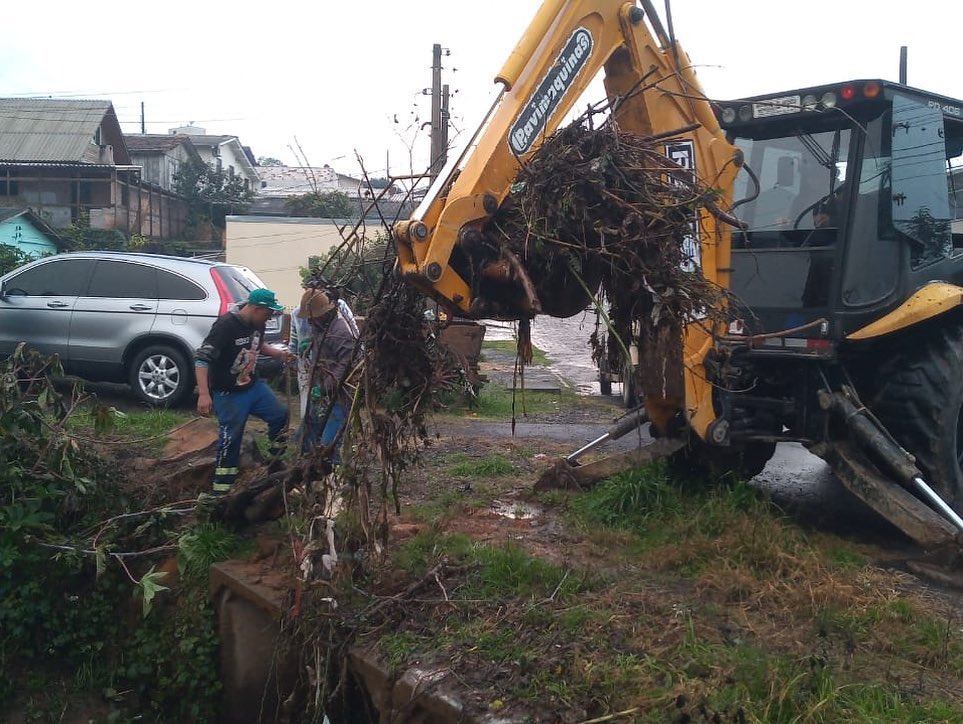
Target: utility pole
143,125
445,118
439,114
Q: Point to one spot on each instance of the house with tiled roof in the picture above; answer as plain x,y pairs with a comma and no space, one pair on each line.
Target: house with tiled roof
66,160
160,156
225,153
280,183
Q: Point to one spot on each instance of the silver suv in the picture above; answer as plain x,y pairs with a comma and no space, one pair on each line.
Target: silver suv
119,317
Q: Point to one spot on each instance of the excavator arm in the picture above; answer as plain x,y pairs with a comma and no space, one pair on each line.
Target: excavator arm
655,93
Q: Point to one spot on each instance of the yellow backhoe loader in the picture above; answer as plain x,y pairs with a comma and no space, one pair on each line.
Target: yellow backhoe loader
839,229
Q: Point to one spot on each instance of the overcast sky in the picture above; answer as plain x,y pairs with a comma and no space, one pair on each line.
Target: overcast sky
335,75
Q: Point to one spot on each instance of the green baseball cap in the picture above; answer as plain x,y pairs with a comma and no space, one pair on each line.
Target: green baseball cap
265,298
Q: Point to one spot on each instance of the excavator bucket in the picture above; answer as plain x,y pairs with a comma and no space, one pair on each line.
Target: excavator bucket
567,474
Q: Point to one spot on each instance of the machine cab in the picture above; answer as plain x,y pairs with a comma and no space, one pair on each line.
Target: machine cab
850,198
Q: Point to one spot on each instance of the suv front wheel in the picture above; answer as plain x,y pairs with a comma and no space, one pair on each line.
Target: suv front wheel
160,376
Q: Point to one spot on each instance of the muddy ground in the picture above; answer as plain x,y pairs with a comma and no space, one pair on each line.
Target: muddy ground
676,610
792,604
719,606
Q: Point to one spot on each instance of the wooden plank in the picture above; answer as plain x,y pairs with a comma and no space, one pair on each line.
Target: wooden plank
564,475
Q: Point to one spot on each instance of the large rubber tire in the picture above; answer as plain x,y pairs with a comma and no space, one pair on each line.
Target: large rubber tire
722,463
160,376
919,399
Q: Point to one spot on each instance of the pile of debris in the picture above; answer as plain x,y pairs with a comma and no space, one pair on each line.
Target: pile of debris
599,209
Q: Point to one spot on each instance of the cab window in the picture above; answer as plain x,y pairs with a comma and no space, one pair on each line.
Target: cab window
872,265
802,189
954,181
921,178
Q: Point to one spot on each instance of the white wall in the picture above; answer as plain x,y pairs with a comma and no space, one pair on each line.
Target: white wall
275,248
233,155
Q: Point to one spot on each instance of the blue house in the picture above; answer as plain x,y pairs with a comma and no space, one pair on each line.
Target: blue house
23,229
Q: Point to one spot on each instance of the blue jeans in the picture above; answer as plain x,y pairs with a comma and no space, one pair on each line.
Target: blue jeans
332,429
232,410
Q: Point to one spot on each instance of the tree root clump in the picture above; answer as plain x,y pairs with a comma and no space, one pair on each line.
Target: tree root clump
605,217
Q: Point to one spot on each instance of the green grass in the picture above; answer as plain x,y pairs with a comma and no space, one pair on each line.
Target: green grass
493,641
630,499
755,684
205,544
490,466
440,508
510,571
398,647
499,403
570,639
554,498
844,558
510,347
812,690
149,427
420,553
658,507
503,571
715,606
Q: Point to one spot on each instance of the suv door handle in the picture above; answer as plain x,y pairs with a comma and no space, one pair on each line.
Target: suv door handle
140,307
57,304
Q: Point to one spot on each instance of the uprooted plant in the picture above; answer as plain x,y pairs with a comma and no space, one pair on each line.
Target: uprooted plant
602,217
339,514
595,208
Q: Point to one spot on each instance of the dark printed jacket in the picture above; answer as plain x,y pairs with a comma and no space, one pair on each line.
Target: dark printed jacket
230,353
333,354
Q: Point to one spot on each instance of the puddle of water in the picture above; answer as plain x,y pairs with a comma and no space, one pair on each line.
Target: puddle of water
515,509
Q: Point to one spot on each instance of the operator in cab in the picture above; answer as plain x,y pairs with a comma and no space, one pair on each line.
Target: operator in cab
827,215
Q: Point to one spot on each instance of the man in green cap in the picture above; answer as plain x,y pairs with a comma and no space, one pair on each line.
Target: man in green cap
227,382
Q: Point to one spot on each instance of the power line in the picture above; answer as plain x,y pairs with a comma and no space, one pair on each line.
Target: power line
70,94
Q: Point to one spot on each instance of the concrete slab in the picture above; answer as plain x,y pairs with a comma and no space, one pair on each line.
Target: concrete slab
498,366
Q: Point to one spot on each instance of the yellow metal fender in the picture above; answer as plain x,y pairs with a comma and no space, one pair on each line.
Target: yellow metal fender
931,300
